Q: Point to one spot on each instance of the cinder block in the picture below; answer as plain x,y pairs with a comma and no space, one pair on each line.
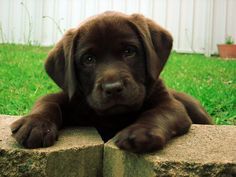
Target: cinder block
206,151
77,153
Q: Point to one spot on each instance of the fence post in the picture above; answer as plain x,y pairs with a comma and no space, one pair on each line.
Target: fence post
209,28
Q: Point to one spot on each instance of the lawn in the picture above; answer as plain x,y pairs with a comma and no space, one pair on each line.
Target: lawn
211,80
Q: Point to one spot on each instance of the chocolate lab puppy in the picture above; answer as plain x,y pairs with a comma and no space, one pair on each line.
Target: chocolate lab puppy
108,69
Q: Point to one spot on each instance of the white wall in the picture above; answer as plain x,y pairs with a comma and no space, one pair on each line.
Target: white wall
196,25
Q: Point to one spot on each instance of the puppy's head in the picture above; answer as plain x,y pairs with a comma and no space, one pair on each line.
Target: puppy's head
112,60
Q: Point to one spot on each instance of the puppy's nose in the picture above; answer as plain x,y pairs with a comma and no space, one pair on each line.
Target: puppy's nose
112,89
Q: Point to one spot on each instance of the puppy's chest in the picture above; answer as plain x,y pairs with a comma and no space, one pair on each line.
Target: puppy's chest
109,126
82,115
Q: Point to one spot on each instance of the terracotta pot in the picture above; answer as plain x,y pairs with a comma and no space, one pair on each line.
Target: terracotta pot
227,50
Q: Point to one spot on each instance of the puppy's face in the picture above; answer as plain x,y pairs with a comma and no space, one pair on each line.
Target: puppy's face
110,66
112,59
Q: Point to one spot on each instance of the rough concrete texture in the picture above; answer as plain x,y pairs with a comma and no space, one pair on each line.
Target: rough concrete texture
206,151
77,153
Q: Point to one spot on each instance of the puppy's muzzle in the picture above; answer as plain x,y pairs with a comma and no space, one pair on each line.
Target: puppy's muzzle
115,90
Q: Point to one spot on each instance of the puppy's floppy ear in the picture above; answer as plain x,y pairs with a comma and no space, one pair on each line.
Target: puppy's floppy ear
156,41
60,63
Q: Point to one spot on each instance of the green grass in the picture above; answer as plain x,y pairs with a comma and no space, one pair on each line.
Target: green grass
211,80
23,78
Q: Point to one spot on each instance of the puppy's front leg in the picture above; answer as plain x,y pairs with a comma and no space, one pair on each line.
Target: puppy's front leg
155,127
40,127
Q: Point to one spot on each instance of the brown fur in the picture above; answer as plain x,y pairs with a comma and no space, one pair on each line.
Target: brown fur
109,69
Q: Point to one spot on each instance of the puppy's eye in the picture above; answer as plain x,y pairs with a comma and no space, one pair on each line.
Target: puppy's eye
88,60
129,51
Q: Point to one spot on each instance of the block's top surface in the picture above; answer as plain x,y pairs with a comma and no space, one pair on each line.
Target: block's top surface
70,138
202,144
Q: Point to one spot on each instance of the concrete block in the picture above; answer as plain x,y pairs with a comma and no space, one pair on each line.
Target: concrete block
206,151
77,153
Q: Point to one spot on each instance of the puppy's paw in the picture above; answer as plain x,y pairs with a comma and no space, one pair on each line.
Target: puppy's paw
32,131
141,139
